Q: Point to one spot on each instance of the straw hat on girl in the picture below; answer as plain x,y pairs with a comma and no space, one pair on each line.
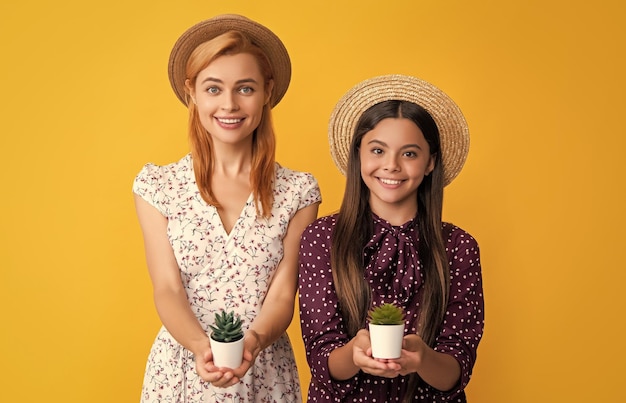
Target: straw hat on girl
453,130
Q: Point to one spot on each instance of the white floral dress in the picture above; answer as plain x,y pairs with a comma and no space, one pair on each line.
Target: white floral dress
222,270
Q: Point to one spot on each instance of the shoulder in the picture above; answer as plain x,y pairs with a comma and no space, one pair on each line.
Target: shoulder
295,177
153,173
462,250
458,236
159,185
318,234
299,187
321,227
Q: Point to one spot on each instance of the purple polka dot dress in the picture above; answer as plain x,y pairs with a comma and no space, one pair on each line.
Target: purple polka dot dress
222,270
394,273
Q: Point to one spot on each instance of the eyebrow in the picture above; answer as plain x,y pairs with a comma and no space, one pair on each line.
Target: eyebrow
242,81
382,143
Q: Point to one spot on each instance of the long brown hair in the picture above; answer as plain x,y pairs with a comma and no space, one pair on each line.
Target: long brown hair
354,228
264,140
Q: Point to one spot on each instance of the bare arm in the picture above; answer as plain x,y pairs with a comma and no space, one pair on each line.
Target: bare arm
277,311
170,297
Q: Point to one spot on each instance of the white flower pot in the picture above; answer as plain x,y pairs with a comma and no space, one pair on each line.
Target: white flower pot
386,340
229,355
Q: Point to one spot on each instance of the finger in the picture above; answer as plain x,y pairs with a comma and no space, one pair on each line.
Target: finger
223,380
411,342
210,367
242,369
367,363
213,376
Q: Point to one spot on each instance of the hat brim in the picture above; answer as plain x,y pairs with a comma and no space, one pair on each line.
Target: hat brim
453,129
213,27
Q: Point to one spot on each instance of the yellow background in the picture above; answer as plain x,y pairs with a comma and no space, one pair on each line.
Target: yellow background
86,102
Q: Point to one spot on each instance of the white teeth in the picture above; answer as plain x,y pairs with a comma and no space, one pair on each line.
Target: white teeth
390,181
229,121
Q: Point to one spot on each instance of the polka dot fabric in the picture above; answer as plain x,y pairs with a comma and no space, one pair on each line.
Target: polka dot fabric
222,270
394,272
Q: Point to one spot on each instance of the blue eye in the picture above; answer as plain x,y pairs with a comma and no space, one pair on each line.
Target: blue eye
246,90
213,90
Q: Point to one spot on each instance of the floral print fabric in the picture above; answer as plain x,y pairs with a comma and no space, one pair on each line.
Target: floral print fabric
222,270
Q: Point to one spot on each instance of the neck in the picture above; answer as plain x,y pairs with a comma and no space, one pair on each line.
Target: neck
395,215
232,160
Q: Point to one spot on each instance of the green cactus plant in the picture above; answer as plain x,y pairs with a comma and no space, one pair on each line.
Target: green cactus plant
227,327
386,314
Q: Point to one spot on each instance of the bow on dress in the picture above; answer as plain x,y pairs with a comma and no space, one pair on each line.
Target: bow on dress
392,265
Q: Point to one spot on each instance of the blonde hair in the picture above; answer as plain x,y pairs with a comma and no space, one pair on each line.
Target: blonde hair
263,140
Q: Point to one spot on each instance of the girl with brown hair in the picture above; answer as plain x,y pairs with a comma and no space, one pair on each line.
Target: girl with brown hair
399,140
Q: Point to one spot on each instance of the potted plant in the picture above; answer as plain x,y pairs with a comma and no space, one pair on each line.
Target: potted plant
386,325
226,340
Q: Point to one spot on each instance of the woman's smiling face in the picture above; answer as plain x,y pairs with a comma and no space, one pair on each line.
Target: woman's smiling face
229,95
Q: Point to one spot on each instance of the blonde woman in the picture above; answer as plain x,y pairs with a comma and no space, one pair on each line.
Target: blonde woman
222,225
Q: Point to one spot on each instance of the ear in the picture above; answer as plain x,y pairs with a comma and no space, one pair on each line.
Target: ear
269,90
190,90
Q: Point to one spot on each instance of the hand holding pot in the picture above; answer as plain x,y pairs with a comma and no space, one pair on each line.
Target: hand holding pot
210,373
412,354
362,357
251,349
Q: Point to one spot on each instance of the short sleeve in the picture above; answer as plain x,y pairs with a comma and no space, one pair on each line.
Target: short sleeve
149,185
310,190
295,190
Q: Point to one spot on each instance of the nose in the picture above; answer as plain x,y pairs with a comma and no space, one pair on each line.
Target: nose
391,163
229,102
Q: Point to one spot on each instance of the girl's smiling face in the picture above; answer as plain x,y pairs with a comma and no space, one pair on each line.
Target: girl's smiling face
395,157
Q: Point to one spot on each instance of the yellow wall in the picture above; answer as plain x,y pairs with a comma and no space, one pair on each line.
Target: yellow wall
86,102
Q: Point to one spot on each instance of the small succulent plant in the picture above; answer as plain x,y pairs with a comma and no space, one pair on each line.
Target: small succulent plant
227,327
386,314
